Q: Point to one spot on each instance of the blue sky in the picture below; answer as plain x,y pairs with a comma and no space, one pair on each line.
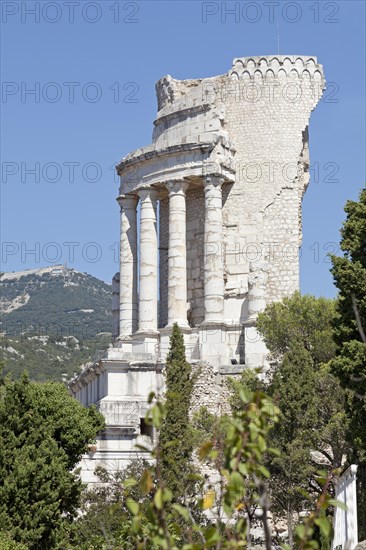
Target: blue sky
93,66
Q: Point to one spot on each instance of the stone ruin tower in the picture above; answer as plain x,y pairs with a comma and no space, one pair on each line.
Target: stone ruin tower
210,233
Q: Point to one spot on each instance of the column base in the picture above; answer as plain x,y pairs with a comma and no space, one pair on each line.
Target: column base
165,334
213,344
183,325
123,343
255,349
146,341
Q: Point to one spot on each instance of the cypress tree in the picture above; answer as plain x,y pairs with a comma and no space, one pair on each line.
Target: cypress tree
175,438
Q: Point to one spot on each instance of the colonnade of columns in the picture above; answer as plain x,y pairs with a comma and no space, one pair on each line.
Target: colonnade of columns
139,311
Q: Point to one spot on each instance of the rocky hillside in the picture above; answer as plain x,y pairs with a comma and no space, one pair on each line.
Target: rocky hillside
52,320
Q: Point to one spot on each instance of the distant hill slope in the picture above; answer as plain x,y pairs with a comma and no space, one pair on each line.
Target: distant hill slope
52,320
49,357
57,301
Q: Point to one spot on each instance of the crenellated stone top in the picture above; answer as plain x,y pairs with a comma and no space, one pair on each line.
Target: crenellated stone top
277,66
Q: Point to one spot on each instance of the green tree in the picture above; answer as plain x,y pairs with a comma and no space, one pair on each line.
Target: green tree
43,433
349,273
292,389
104,519
7,543
311,434
299,320
175,437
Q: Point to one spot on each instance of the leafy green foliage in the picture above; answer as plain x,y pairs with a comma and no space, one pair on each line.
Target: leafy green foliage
316,531
144,511
248,380
243,480
105,518
43,432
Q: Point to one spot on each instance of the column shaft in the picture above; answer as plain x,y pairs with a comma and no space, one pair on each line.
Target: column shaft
128,310
177,255
148,297
213,253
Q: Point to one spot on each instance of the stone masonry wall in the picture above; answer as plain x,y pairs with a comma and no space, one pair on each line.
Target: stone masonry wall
210,391
266,118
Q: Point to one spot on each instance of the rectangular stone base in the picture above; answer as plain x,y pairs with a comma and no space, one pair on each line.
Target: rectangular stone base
145,342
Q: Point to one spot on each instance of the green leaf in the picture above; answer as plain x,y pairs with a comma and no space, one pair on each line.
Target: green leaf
324,526
167,495
146,482
212,536
157,416
245,395
129,482
158,499
151,397
300,531
263,470
142,448
337,503
133,506
204,450
274,451
243,468
181,511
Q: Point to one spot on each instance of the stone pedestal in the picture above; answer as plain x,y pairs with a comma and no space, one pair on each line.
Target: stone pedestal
255,350
212,341
164,342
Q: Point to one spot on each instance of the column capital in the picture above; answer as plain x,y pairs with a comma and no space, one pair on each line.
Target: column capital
176,186
128,201
145,191
213,181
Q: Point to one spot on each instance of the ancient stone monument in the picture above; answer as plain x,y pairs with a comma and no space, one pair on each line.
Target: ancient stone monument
210,233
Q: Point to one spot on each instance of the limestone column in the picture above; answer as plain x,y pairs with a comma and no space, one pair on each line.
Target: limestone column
213,260
177,254
148,296
128,306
